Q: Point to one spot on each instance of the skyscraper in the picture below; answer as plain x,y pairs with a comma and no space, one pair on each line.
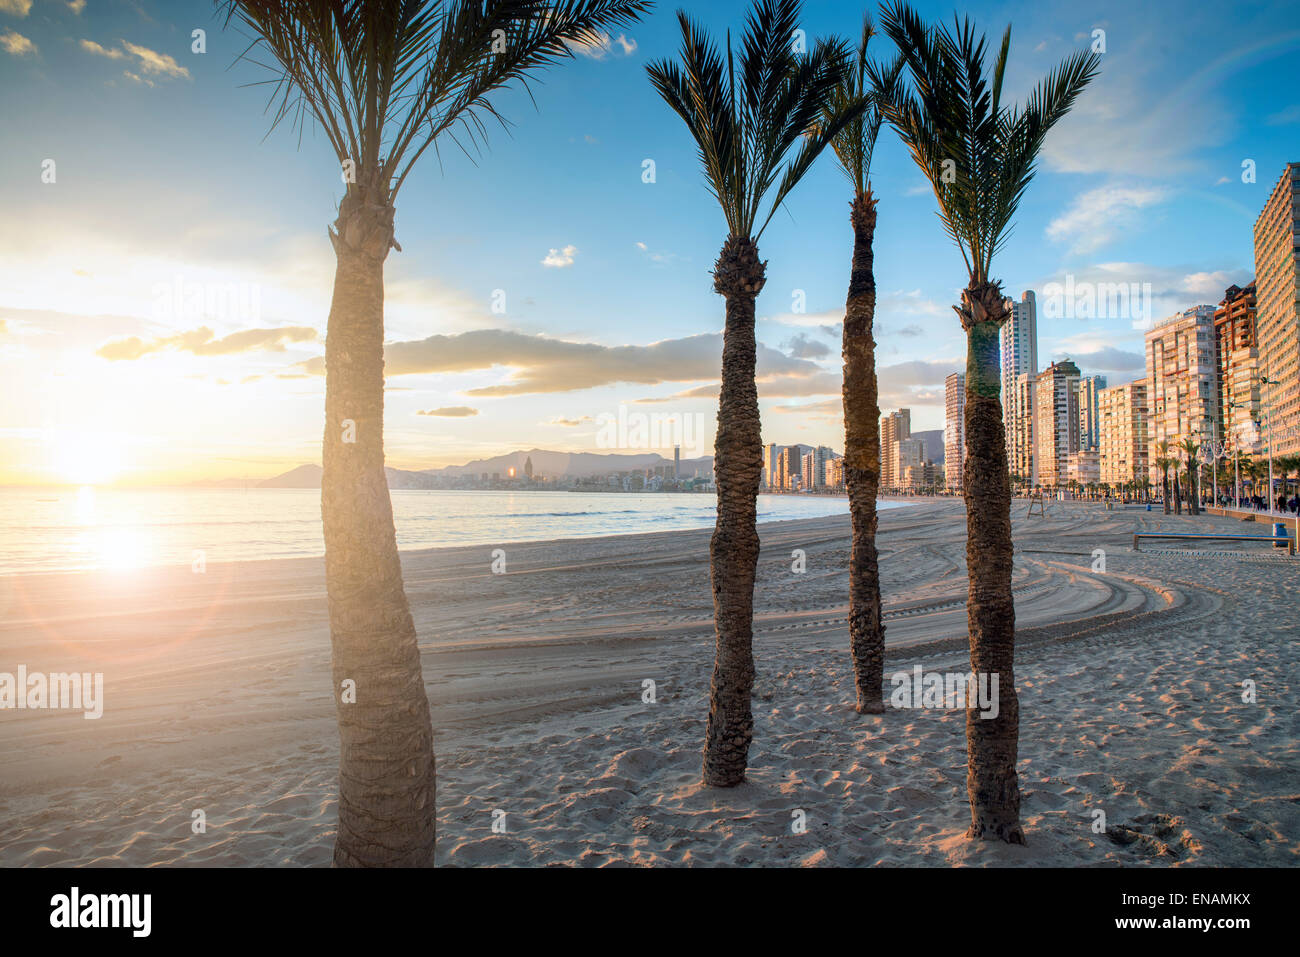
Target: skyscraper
954,430
1277,265
1237,365
1089,424
1020,429
893,428
1182,388
1019,357
1125,444
1056,421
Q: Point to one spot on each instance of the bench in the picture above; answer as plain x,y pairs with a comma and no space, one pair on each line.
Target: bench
1290,542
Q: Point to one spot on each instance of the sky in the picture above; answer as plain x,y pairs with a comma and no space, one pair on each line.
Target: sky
165,272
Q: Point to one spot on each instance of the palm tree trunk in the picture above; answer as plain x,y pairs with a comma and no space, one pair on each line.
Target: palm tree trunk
1164,481
733,551
1178,494
862,463
386,763
992,743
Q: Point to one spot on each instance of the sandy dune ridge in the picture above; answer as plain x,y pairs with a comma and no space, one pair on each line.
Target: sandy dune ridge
218,698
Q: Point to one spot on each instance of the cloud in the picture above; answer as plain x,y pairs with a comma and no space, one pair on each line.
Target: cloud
801,347
203,342
541,364
1105,359
76,6
451,412
1097,216
148,62
16,43
560,258
1284,117
598,45
570,423
19,8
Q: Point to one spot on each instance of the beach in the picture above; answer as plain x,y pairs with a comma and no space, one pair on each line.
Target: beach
217,699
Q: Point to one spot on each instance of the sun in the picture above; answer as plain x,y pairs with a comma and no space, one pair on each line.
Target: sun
87,458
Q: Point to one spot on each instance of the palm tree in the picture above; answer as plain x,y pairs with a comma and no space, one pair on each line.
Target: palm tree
979,156
746,113
385,81
1164,463
853,148
1190,449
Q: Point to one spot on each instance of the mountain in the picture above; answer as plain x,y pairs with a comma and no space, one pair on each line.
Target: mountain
933,444
545,465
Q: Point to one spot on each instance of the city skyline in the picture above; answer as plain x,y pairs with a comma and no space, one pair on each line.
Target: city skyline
141,274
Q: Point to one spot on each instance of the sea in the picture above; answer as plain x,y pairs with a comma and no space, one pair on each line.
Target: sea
50,530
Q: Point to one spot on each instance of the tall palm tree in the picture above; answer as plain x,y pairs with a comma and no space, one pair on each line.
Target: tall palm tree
979,156
385,81
853,147
747,111
1164,463
1190,449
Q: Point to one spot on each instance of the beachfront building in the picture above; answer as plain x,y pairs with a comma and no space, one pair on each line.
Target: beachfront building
921,475
1089,413
1125,443
835,473
789,467
1182,386
894,428
1019,357
954,429
1083,468
770,454
1019,422
909,454
1277,270
1056,422
1237,367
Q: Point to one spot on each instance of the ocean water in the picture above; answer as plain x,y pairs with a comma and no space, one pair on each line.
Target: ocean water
45,530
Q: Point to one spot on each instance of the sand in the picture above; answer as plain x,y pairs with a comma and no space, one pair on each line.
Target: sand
217,698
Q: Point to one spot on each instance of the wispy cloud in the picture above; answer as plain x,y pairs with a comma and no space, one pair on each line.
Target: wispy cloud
451,412
148,62
1096,217
18,8
203,342
599,46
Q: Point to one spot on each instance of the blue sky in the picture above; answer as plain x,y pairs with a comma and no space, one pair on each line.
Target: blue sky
166,170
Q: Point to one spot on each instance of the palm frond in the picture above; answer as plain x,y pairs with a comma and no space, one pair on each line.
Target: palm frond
387,80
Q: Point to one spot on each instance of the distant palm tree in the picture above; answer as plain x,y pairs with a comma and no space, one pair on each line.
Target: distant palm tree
979,156
385,81
1164,463
853,147
746,113
1190,449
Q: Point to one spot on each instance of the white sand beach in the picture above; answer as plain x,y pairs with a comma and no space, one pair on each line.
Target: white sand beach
217,698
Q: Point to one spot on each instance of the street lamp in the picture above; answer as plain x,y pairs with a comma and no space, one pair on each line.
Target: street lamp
1210,454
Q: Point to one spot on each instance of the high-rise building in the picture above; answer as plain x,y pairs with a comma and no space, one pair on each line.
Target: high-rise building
893,428
1237,367
1056,422
1019,424
1019,357
1182,387
1125,443
788,467
835,473
1083,468
1277,282
1089,425
909,456
954,430
769,464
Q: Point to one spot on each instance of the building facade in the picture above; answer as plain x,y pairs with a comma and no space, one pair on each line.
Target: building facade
1019,357
1237,367
1056,422
1089,412
1125,440
893,429
1019,423
954,430
1182,380
1277,265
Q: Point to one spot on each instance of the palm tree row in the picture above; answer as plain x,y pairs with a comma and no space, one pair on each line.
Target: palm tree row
385,79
